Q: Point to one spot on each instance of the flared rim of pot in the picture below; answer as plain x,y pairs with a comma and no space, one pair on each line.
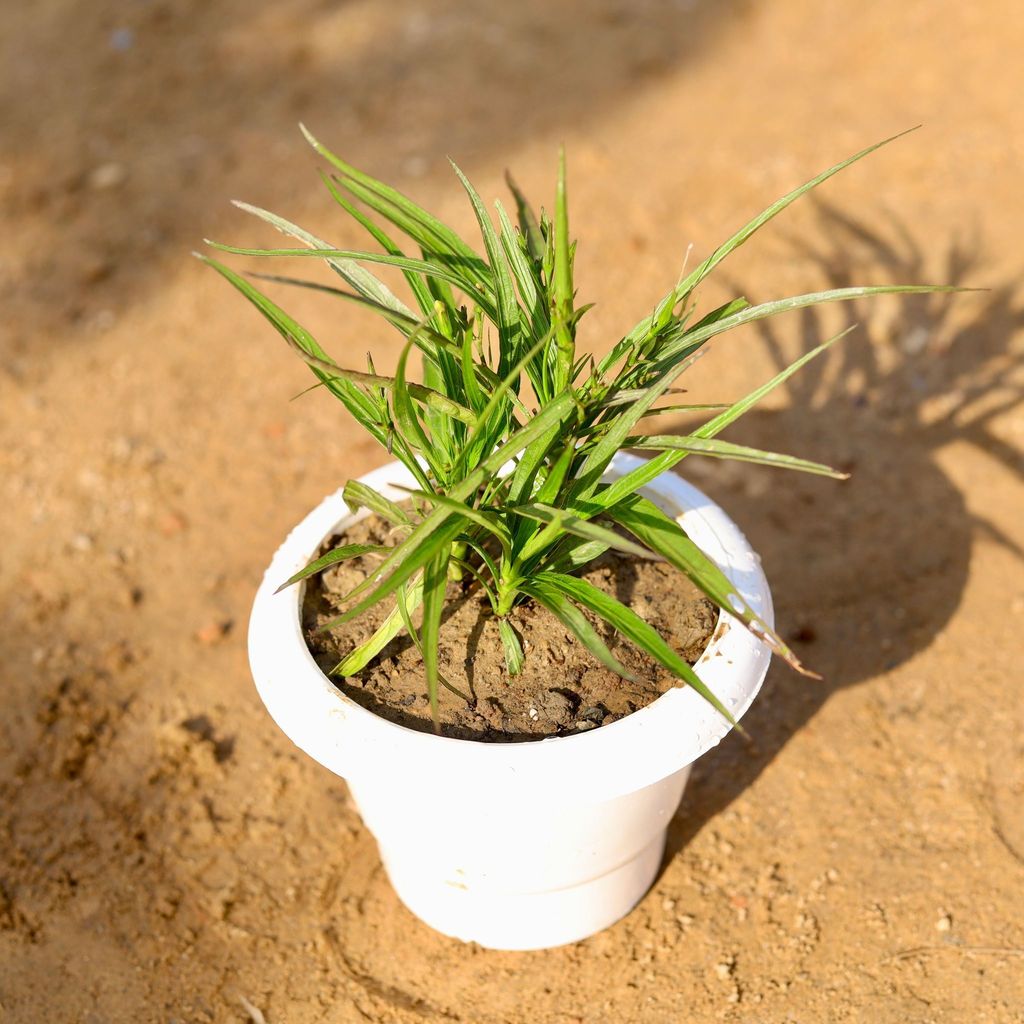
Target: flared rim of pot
612,760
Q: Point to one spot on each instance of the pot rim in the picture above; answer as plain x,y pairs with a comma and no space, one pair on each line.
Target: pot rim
612,760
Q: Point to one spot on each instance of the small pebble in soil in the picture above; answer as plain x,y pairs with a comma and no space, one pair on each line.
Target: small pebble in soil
805,633
172,523
556,706
944,923
122,39
213,632
107,176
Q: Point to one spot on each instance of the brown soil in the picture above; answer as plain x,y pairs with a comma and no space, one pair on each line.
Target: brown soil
165,852
561,690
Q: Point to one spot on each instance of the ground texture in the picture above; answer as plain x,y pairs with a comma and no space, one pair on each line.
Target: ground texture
165,854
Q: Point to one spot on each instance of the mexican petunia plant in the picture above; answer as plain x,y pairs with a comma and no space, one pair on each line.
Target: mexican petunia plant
511,430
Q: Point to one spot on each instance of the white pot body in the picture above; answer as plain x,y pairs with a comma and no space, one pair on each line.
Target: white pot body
513,845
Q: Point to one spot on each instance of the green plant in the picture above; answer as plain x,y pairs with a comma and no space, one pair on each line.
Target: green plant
491,329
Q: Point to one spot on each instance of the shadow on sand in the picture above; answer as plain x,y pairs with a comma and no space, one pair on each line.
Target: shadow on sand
865,573
167,111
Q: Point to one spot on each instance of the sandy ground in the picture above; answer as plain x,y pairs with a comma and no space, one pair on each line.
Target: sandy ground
165,854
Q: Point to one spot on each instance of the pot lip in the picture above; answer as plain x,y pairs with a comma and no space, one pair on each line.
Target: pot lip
626,755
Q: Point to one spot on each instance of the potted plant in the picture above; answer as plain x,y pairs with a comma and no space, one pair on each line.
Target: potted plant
480,591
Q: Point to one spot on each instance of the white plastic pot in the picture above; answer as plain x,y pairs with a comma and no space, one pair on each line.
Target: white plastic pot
513,845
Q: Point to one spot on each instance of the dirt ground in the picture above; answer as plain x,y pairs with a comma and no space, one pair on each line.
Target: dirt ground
165,854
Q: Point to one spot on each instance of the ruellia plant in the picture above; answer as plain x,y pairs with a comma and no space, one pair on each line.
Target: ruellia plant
510,431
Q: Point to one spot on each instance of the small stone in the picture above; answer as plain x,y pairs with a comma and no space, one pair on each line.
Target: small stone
415,166
121,448
944,923
103,320
96,270
556,707
723,970
213,632
915,340
107,176
122,39
832,875
172,523
82,542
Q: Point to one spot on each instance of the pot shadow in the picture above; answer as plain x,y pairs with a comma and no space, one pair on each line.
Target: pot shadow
866,573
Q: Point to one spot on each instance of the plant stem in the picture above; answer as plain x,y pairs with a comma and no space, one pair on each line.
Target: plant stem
507,592
455,572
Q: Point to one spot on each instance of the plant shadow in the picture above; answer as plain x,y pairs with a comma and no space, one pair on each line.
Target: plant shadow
866,573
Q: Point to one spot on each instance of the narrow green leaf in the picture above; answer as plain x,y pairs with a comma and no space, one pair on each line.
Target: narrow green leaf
525,274
634,628
612,440
365,283
576,622
513,648
725,450
425,396
661,533
506,307
562,521
424,267
435,585
695,337
485,519
358,495
406,614
404,321
627,396
469,371
416,283
562,291
407,416
748,229
436,528
420,225
557,474
632,481
525,473
335,555
356,660
689,283
527,222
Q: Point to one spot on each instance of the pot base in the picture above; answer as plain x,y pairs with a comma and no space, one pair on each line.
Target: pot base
532,920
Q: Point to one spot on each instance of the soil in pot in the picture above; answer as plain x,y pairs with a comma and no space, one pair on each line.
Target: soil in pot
562,689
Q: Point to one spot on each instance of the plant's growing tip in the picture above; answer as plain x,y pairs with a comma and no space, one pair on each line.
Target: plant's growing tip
510,431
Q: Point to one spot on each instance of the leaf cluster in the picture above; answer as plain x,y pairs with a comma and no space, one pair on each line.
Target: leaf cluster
510,430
